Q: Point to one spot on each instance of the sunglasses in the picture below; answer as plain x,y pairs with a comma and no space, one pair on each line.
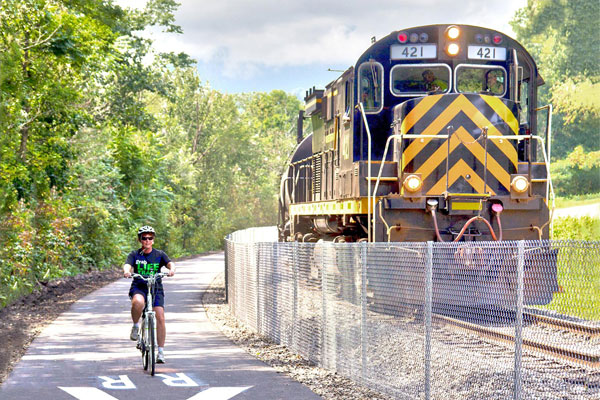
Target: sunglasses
147,238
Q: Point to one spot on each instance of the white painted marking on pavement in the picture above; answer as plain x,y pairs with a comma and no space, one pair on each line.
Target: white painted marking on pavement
179,380
215,393
87,393
122,383
219,393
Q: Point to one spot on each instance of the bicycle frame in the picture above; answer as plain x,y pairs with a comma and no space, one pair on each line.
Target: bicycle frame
147,335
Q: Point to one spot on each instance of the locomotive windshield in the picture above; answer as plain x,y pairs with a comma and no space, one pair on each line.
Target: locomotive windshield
410,80
481,79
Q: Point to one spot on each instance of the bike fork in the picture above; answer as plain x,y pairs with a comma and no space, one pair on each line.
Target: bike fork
153,327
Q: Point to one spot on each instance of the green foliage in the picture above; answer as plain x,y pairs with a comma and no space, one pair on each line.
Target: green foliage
80,166
578,274
564,38
224,154
578,98
578,173
583,228
97,141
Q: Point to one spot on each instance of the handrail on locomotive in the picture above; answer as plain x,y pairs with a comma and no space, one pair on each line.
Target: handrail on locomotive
517,137
371,206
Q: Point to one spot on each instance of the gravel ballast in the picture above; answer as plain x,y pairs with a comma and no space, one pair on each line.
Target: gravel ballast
326,384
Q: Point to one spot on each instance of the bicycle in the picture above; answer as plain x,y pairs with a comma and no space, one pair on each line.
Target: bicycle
147,341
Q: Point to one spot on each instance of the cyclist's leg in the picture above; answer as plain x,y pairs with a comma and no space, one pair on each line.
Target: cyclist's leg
137,306
160,326
137,294
159,308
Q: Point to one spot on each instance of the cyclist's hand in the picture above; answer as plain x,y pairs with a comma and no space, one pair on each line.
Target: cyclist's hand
171,272
127,274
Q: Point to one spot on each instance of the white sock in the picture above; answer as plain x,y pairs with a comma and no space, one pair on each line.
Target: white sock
137,325
160,349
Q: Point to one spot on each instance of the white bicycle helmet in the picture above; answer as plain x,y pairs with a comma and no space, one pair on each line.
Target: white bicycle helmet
146,229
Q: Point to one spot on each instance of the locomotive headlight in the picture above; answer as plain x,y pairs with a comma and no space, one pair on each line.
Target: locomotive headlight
453,32
519,184
412,183
452,49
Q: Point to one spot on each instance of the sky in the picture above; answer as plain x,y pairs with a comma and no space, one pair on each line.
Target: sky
263,45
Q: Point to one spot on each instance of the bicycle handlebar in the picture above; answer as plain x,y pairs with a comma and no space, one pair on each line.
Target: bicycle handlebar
151,277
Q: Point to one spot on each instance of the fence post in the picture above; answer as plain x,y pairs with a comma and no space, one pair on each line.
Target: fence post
363,303
428,311
227,250
295,297
324,301
519,321
272,287
258,289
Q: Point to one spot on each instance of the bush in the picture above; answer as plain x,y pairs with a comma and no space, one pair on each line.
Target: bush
584,228
579,173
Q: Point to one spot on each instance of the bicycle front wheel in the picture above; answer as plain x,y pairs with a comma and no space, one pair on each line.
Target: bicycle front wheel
151,344
144,343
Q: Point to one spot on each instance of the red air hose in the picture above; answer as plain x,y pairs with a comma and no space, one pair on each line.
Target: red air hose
496,208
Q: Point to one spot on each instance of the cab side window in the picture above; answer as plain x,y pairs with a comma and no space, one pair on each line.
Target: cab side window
370,77
524,102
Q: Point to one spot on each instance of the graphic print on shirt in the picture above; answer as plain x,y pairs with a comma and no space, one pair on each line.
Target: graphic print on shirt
145,268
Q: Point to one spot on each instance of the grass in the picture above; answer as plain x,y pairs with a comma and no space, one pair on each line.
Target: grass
581,200
578,264
579,277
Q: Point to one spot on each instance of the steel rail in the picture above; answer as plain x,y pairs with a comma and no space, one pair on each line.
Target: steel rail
581,358
571,326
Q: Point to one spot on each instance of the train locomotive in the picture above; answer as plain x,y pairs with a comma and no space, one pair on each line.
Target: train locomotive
431,136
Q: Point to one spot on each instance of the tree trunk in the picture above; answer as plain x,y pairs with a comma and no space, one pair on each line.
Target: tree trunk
27,107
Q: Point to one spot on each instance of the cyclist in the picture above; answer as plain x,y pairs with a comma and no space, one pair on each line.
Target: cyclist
147,261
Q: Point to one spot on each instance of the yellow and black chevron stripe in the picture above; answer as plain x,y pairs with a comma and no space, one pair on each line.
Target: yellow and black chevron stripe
464,116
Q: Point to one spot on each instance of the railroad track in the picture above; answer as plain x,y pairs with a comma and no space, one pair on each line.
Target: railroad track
588,359
571,326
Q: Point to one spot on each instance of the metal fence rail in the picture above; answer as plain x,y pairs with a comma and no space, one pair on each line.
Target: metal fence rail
493,320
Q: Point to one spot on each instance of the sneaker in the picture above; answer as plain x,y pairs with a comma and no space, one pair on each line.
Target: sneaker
134,333
161,357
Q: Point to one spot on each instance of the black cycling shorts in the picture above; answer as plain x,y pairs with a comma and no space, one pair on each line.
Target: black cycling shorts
142,288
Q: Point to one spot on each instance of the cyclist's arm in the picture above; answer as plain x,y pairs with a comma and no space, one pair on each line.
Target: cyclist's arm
127,270
171,266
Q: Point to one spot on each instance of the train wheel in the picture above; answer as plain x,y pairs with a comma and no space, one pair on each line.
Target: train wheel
310,238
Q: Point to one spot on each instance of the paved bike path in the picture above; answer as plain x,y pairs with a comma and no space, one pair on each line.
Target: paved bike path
86,352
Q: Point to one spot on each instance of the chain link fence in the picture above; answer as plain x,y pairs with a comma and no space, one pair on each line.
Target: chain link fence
493,320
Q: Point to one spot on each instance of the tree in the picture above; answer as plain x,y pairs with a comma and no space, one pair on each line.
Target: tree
564,36
72,69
